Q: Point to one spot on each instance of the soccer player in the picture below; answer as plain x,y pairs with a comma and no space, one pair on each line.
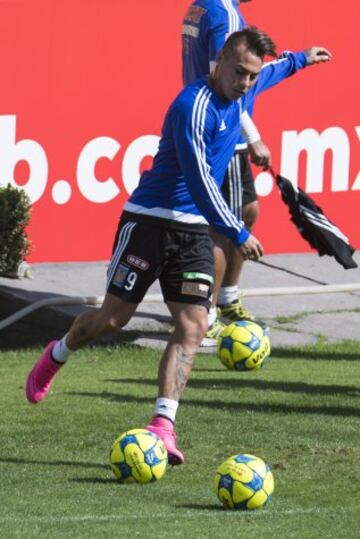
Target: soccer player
206,26
163,230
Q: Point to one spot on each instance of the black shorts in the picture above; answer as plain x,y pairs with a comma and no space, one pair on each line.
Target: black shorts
238,188
148,248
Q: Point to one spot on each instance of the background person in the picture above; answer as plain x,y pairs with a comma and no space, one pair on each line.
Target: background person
206,26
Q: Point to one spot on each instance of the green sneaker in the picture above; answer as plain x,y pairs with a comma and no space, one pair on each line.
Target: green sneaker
236,311
212,334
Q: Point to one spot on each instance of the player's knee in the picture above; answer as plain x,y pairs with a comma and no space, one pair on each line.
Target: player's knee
198,329
203,327
250,214
115,315
191,332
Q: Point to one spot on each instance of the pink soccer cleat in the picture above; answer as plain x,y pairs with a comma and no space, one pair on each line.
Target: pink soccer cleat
165,430
42,375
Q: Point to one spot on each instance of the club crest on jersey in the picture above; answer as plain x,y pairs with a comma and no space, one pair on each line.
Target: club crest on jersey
189,30
194,14
137,262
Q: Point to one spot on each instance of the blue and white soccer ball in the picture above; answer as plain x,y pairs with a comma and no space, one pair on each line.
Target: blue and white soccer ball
243,346
138,456
244,482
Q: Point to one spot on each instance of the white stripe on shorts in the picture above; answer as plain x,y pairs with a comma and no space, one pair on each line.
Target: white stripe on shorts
123,240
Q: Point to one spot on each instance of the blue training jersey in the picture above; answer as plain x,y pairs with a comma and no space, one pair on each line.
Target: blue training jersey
206,26
199,135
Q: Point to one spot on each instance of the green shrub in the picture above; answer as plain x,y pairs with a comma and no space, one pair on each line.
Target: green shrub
15,213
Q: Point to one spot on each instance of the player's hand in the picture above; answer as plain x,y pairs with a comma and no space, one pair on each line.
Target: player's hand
251,249
260,154
316,55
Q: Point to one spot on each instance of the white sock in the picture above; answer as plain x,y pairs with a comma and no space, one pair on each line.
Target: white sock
166,408
227,295
61,352
212,316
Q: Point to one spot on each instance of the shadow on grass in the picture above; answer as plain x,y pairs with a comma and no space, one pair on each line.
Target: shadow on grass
235,406
75,464
96,480
234,381
328,352
332,352
201,507
245,515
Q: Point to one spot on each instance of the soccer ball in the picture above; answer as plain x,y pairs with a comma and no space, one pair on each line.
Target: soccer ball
243,346
138,456
244,482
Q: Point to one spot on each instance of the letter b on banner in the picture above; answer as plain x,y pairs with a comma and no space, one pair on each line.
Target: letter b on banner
12,152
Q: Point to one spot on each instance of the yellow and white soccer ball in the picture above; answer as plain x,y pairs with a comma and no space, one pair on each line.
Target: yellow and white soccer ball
138,456
244,482
243,346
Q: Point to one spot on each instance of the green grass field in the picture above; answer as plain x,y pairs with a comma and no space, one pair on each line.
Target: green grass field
301,413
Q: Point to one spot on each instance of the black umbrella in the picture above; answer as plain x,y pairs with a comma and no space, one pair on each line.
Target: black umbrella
313,225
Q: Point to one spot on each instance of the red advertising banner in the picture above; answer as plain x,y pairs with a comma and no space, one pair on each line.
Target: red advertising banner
86,84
